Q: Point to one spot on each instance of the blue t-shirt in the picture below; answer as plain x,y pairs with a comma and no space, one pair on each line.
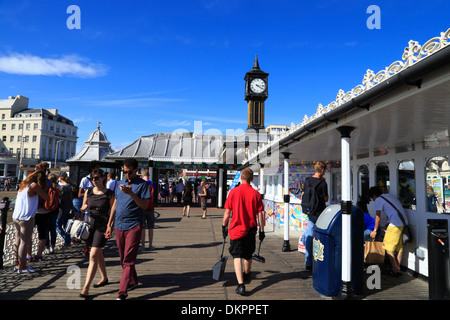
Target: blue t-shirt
369,222
128,213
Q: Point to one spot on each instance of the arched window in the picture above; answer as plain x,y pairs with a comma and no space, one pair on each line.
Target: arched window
438,193
363,183
407,184
382,176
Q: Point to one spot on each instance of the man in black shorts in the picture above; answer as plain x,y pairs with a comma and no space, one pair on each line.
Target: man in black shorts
245,207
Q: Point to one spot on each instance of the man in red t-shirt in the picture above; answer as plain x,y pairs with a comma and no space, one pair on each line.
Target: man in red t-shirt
246,205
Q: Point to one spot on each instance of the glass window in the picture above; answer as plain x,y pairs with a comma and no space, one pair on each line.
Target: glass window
407,184
363,184
438,194
11,170
270,185
382,176
275,186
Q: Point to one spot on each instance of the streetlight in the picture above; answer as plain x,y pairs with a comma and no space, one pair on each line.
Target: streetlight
56,151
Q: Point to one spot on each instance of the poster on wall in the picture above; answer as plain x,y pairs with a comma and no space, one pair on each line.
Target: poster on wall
438,188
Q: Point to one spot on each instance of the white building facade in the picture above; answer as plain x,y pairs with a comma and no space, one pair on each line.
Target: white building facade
29,136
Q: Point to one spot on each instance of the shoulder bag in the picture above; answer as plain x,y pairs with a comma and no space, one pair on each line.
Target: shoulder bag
79,228
407,236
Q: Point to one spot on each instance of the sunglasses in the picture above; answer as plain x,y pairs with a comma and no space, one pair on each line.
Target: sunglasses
129,172
96,178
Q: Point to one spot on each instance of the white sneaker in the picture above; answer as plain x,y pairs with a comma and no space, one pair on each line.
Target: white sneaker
26,270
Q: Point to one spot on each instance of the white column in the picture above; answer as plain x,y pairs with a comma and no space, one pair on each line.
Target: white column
150,173
220,189
346,207
262,188
286,244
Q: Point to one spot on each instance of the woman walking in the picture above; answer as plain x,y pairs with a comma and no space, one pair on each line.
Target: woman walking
52,215
188,195
25,208
66,207
98,200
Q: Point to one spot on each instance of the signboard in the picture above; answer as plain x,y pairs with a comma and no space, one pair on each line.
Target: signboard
237,178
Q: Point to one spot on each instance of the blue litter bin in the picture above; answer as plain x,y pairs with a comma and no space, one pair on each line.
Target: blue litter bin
327,251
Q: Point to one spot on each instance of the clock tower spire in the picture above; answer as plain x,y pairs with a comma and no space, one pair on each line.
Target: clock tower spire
256,93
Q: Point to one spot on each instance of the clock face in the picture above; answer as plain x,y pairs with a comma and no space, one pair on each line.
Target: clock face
258,85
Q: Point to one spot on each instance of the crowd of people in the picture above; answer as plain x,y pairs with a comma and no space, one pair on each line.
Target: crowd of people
173,192
126,207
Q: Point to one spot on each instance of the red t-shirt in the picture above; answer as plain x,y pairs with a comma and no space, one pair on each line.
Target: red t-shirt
245,204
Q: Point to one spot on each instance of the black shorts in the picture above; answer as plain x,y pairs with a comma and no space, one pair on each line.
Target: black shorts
245,246
149,219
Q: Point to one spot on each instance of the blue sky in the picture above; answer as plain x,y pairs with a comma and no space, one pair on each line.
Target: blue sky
142,67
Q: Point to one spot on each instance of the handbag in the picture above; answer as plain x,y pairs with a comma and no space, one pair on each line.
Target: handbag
374,252
79,228
407,236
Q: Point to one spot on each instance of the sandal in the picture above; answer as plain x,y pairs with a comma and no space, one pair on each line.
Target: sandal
101,284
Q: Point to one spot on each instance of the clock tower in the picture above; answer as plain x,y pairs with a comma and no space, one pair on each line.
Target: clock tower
256,93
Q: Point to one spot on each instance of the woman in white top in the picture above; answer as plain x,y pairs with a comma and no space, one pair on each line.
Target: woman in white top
23,217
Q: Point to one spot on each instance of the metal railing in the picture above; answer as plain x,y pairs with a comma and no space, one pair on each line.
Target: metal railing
7,236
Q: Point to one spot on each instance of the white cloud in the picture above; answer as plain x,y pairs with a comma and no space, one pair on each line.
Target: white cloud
73,65
82,119
173,123
132,102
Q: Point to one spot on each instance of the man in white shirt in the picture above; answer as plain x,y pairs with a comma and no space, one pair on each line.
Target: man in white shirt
179,188
111,184
86,181
392,243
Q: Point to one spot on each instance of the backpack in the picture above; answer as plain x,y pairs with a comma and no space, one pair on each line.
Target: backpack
310,199
52,203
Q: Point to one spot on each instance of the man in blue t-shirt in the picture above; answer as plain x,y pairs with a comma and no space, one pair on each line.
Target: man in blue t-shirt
131,199
317,180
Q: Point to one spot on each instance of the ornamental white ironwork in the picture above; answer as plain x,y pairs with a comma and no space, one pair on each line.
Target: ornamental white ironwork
411,55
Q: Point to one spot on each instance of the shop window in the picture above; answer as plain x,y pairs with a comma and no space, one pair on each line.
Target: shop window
437,184
11,171
363,184
382,176
407,184
274,187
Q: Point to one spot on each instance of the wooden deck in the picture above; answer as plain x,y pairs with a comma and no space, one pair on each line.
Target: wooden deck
180,269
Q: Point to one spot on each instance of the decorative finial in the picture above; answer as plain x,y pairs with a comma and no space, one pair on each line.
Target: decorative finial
98,125
256,64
